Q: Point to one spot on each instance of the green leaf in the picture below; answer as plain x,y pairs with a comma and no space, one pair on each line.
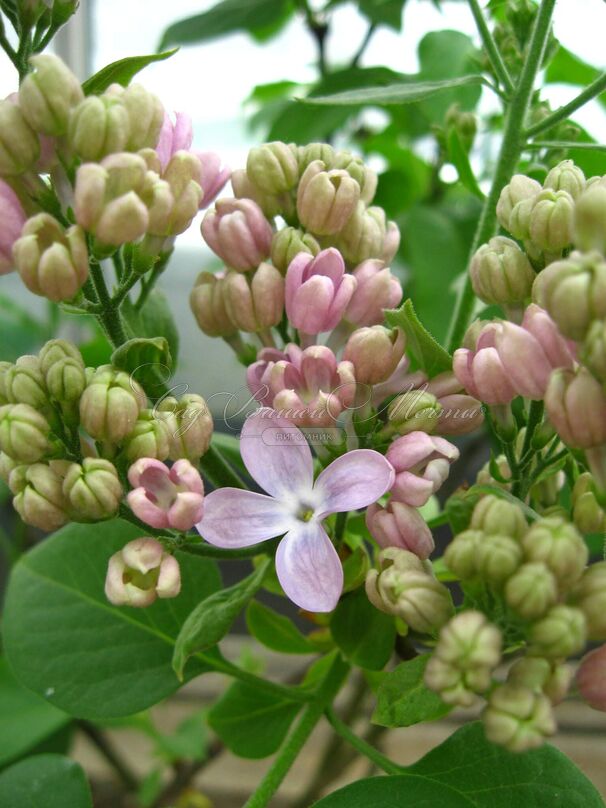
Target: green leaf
44,781
122,71
276,631
405,93
566,68
404,700
229,446
26,720
448,55
261,18
147,359
466,771
364,634
426,350
460,160
383,12
155,317
251,722
213,617
66,642
21,332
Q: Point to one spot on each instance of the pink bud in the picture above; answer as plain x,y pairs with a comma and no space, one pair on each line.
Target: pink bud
166,498
377,289
174,137
141,572
422,463
460,414
399,525
317,291
481,371
13,218
238,232
576,406
213,176
391,243
591,678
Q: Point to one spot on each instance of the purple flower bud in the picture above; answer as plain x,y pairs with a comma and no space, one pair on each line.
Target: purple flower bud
375,352
13,218
326,199
141,572
238,232
258,304
591,678
166,498
209,305
317,291
422,464
481,371
377,289
576,406
399,525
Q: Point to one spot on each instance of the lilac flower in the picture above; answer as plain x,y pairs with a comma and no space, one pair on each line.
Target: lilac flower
279,459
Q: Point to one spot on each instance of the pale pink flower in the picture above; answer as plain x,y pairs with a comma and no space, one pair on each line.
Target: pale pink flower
422,464
165,497
141,572
400,525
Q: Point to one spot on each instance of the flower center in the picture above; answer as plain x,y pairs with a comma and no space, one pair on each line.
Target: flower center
305,513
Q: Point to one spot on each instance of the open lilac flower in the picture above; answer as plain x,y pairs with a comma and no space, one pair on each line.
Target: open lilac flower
279,459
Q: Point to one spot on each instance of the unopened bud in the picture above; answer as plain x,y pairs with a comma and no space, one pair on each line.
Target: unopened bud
501,272
532,590
149,437
98,126
326,199
560,546
145,114
399,525
590,596
256,304
576,406
363,236
55,350
518,718
48,94
209,305
375,352
566,177
24,433
588,515
377,289
39,498
543,675
19,144
550,225
273,167
497,515
461,555
190,426
366,178
412,411
498,558
110,404
560,634
141,572
66,380
182,175
593,350
23,383
590,219
591,679
287,243
520,188
238,232
93,490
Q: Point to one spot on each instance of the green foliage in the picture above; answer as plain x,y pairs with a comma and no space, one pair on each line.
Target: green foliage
153,318
365,635
276,631
403,699
122,72
428,353
64,640
44,781
405,93
566,68
144,358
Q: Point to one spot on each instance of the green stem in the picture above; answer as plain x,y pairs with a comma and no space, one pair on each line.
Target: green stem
8,49
491,48
110,316
298,737
595,88
364,44
380,760
218,470
511,148
147,284
209,551
340,524
99,740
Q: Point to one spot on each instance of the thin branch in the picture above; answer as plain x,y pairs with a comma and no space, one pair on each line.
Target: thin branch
491,48
595,88
364,748
102,744
364,44
564,144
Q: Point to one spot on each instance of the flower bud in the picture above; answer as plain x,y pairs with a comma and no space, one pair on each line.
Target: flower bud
174,136
190,426
559,546
39,498
467,651
238,232
317,291
399,525
93,490
590,596
56,350
315,151
588,515
414,411
145,114
480,369
375,352
498,558
532,590
541,675
362,237
590,219
560,634
391,242
326,199
24,433
110,404
494,514
422,464
19,144
518,718
48,94
574,293
149,437
66,380
405,588
566,177
377,289
23,383
271,206
13,218
273,167
7,466
591,678
209,305
52,262
366,178
140,573
98,126
287,243
461,555
576,406
256,304
593,350
520,188
183,177
213,177
550,226
501,273
166,498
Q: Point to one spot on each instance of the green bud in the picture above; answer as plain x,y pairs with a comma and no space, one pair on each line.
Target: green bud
209,306
501,272
461,555
520,188
532,590
48,94
566,177
19,144
518,718
560,634
590,218
66,380
588,515
593,350
559,545
365,177
4,369
326,199
110,404
363,235
315,151
590,596
494,514
98,126
273,167
7,465
464,123
24,433
93,490
55,350
289,242
23,383
39,498
414,411
149,437
271,204
550,225
498,558
145,114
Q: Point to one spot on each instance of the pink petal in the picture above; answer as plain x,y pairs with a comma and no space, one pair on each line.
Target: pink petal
353,481
146,510
309,568
311,304
276,454
237,518
186,511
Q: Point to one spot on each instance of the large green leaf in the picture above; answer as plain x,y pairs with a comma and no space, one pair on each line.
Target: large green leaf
383,12
25,719
122,71
566,68
428,353
64,641
251,722
276,631
404,700
261,18
447,55
147,359
466,771
155,317
364,634
44,781
405,93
